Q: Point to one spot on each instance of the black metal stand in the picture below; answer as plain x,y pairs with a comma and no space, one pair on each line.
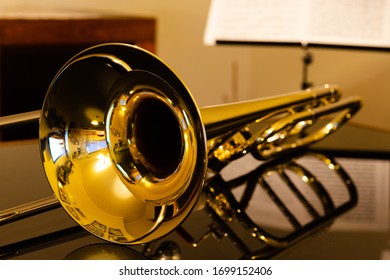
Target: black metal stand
307,60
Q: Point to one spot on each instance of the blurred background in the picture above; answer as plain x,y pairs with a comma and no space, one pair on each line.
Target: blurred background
218,74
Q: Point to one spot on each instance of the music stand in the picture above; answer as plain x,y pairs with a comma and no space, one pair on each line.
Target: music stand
303,23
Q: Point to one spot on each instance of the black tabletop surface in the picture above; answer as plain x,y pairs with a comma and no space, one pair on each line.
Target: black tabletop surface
336,222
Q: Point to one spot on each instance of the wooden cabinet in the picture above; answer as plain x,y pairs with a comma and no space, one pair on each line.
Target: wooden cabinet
33,50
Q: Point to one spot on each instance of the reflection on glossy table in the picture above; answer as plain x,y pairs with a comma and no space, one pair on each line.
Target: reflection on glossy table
215,230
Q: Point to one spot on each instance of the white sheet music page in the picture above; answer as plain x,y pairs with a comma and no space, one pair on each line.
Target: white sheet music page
333,22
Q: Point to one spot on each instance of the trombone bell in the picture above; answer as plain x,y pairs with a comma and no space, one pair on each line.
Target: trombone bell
123,150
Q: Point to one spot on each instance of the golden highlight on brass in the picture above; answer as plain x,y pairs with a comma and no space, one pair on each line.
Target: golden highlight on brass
126,150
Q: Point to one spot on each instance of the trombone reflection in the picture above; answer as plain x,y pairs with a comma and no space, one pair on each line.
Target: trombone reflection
283,191
288,190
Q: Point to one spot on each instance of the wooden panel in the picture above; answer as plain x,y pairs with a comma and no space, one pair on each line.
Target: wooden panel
33,50
77,31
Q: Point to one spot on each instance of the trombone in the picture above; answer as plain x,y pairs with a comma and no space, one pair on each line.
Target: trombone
126,150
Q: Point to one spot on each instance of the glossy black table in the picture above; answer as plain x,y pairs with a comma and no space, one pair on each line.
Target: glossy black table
212,231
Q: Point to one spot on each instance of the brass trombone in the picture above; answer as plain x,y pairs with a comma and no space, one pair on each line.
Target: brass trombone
126,150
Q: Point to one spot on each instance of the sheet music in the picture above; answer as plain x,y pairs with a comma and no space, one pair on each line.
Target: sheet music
250,20
334,22
372,180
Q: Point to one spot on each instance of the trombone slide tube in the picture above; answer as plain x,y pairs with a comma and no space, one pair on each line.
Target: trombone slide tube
17,119
29,209
223,118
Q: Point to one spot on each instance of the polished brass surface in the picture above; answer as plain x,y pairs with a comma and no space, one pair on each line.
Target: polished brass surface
304,118
126,161
126,150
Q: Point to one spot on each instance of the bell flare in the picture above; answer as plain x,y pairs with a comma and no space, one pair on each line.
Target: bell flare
122,144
